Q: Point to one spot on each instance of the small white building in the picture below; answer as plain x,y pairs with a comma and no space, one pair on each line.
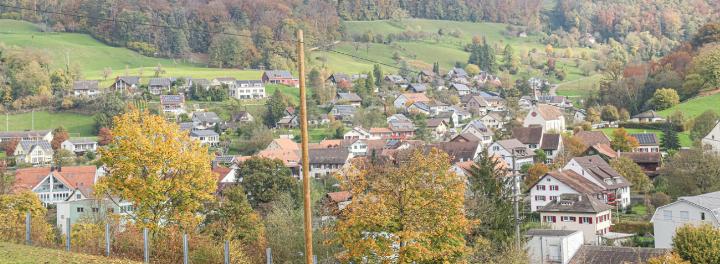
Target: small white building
580,212
712,140
553,246
647,117
36,152
80,145
247,89
694,210
549,117
509,147
206,137
89,88
648,142
358,133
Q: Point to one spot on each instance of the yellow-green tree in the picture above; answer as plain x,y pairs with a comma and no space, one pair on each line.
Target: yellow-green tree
159,169
13,210
633,173
411,213
698,244
622,141
670,258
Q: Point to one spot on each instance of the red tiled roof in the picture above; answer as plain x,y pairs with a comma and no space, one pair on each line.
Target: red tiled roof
74,177
341,196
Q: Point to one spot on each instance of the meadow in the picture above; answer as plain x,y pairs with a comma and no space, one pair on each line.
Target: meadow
14,253
76,124
696,106
684,137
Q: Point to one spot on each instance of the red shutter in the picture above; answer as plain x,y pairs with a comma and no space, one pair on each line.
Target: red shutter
590,220
554,219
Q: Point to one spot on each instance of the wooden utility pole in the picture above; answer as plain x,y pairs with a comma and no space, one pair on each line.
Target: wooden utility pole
305,153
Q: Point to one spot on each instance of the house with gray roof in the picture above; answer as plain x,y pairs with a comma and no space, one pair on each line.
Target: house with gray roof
648,142
345,113
348,98
280,77
206,136
416,88
35,152
157,86
174,104
647,117
508,148
581,212
206,120
460,88
126,84
616,189
694,210
589,254
326,161
89,88
80,145
45,135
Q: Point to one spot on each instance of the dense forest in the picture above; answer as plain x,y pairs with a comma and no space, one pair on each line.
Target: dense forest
193,24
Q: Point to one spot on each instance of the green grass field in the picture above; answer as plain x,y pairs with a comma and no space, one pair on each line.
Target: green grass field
696,106
580,87
76,124
21,254
92,56
684,137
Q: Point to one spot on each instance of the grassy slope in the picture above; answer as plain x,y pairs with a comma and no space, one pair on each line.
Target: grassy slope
93,56
696,106
14,253
421,54
77,124
684,137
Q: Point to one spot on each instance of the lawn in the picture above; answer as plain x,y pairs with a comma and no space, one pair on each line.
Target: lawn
696,106
92,56
581,87
76,124
15,253
684,137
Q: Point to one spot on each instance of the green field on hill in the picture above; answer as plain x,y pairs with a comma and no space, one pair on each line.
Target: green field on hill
92,56
696,106
76,124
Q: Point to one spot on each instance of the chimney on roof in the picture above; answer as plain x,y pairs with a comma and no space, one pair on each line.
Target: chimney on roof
52,168
59,168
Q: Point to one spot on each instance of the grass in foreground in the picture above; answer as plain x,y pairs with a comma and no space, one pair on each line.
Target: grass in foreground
14,253
76,124
696,106
684,137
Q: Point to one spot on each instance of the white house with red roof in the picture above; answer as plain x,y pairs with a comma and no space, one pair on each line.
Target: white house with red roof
55,184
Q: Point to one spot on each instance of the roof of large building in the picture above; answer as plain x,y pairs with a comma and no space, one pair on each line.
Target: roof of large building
510,144
574,181
710,201
550,232
549,112
23,134
203,133
85,85
591,138
210,117
528,135
352,97
646,139
607,254
550,142
278,74
647,114
165,82
73,176
172,99
29,144
605,149
601,170
418,87
328,155
575,203
458,151
132,80
643,157
341,196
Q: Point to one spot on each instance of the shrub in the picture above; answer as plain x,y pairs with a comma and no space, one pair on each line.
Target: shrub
633,227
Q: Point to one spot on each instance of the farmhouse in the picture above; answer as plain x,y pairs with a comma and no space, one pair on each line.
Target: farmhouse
157,86
86,88
280,77
126,84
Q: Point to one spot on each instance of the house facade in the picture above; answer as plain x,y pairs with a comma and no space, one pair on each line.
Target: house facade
594,169
126,84
648,142
550,118
280,77
326,161
580,212
88,208
53,185
712,140
34,152
157,86
553,246
80,145
509,148
173,104
89,88
247,89
693,210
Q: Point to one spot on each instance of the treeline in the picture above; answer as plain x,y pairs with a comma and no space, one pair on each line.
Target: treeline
191,23
504,11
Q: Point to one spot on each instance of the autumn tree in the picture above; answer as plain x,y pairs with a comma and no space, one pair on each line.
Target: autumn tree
264,180
624,115
104,136
412,212
232,218
633,173
610,113
108,106
692,172
13,210
60,134
664,98
703,124
622,141
698,244
670,258
593,115
164,173
472,69
534,173
9,146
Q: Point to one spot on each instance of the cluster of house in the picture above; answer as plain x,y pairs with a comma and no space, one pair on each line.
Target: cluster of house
238,89
33,147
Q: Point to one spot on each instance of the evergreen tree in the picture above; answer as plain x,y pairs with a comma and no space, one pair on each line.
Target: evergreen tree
377,71
670,140
491,201
436,67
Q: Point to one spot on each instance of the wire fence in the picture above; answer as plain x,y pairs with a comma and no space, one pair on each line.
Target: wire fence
112,248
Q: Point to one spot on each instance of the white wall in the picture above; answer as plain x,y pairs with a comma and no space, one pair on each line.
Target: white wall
713,139
589,230
665,228
556,249
546,181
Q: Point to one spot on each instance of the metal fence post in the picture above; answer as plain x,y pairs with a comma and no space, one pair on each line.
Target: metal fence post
268,255
145,245
185,249
67,234
107,239
227,252
27,229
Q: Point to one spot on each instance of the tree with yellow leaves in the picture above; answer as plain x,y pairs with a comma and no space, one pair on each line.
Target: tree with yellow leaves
411,213
622,141
164,173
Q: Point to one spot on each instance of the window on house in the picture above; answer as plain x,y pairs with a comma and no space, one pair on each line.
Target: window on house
80,209
77,196
684,215
554,187
667,215
553,198
95,209
539,198
540,187
702,215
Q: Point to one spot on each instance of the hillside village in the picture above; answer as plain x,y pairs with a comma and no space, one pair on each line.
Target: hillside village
578,194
